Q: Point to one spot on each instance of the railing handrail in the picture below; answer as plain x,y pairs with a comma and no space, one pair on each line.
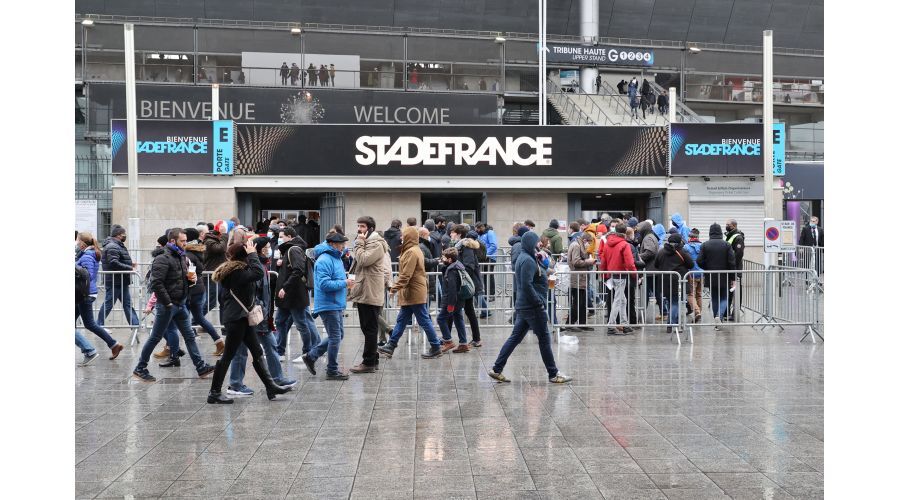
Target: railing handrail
614,97
681,109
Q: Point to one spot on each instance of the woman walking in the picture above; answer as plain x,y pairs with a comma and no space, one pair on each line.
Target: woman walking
88,257
239,277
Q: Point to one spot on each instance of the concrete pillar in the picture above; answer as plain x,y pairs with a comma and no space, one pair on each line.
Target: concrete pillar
590,28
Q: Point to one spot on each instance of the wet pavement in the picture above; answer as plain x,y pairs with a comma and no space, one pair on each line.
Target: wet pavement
737,414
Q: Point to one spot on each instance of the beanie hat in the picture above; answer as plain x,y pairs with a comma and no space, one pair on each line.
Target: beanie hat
117,230
522,230
259,242
632,222
554,224
602,229
236,251
162,240
675,240
192,234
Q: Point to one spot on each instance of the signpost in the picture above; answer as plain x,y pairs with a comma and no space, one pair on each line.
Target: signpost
779,236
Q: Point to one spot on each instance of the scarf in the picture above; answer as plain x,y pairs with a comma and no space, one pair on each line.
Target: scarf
175,248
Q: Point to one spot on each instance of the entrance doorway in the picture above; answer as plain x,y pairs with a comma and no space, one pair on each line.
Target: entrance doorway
617,205
319,211
454,207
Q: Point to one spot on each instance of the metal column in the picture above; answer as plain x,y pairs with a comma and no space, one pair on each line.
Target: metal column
590,31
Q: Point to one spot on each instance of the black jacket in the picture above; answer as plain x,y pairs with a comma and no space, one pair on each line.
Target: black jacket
450,284
431,262
434,241
194,252
466,248
736,239
291,275
393,239
806,238
215,251
671,259
716,255
115,257
242,278
168,277
515,243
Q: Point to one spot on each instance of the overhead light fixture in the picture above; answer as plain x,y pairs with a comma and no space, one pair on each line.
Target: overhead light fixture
706,179
499,39
598,196
753,178
694,50
296,31
87,22
608,194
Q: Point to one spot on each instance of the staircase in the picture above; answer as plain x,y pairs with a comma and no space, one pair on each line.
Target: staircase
682,112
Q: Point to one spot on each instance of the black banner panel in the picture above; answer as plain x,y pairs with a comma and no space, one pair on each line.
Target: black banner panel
713,149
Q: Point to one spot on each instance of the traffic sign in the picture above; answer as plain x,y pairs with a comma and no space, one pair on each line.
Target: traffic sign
779,236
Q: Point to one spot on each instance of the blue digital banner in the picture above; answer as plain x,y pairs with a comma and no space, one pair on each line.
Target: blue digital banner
223,147
778,140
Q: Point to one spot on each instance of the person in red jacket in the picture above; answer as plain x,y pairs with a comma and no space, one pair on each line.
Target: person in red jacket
617,256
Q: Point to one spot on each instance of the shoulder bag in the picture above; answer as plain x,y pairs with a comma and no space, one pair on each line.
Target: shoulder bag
254,315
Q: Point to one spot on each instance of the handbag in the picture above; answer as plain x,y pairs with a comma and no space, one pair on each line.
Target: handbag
254,315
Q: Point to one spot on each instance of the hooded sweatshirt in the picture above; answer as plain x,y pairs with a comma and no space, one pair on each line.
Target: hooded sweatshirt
660,233
648,244
716,255
515,243
683,230
392,237
412,283
556,242
617,255
530,279
330,281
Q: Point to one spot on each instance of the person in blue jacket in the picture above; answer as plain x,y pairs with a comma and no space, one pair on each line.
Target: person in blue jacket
679,223
330,292
88,257
695,278
488,238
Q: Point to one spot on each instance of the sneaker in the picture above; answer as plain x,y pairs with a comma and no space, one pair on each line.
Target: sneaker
381,343
475,343
697,318
499,377
205,371
239,391
387,349
627,330
446,345
162,354
286,382
143,375
337,376
718,326
462,348
668,329
613,331
171,363
363,368
88,358
220,347
560,379
116,349
433,352
309,362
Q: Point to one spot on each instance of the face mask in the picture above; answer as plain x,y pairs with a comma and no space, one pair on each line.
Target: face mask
813,224
280,241
270,234
124,238
271,252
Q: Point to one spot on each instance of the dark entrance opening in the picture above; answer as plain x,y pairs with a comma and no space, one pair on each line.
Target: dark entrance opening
455,207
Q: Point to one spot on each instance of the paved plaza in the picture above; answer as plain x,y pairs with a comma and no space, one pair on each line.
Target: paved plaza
737,414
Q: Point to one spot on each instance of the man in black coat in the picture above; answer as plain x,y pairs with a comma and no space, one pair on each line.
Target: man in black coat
717,255
812,235
115,257
735,238
393,238
292,292
169,281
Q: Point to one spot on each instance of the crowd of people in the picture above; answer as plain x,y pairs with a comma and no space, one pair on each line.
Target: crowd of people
316,280
323,76
643,97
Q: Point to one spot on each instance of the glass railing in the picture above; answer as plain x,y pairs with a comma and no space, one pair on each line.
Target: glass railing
742,89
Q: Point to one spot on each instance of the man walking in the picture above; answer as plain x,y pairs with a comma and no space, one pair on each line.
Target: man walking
368,295
331,284
412,287
292,293
169,280
115,257
530,284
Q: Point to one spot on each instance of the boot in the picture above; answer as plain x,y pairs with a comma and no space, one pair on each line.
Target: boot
216,398
162,354
220,347
272,389
218,378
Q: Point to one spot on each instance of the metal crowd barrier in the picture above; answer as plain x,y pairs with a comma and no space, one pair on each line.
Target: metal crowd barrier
811,258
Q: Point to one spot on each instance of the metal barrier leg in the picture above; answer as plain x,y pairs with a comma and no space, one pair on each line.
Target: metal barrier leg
134,336
690,330
812,333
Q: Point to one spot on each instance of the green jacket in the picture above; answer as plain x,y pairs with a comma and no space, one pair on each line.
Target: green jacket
556,242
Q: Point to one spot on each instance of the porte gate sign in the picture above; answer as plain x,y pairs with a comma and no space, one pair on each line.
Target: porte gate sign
779,236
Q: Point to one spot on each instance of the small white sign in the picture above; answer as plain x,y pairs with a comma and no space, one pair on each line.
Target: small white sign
86,216
779,236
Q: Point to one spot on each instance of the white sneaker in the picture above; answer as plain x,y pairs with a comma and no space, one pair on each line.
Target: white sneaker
718,326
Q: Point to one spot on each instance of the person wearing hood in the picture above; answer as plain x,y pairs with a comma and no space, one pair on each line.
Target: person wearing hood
660,233
330,290
393,239
240,277
267,339
170,281
466,243
648,247
556,242
452,305
717,255
580,261
530,285
196,296
672,257
115,257
488,238
431,260
695,279
679,223
88,257
292,293
370,270
412,288
515,241
617,256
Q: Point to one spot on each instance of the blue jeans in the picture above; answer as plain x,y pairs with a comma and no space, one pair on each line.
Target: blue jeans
334,325
172,341
85,310
445,318
673,310
86,347
239,362
115,290
404,318
536,320
181,317
196,308
718,301
306,325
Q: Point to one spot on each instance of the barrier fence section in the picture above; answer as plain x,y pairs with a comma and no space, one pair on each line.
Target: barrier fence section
615,301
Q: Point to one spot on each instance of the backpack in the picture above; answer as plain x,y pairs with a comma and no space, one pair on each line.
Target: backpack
310,273
466,286
82,284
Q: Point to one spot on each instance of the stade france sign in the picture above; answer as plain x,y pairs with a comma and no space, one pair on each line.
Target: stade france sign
599,55
713,149
175,147
449,150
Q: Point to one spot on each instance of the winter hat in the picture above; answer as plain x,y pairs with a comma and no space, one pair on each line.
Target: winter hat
117,230
632,222
236,251
675,240
192,234
260,242
522,230
554,224
221,227
602,229
162,240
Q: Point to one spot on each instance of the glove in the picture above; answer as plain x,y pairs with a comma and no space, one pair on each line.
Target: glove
450,309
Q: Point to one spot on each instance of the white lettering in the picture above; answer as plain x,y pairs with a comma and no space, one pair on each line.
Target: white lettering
410,151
